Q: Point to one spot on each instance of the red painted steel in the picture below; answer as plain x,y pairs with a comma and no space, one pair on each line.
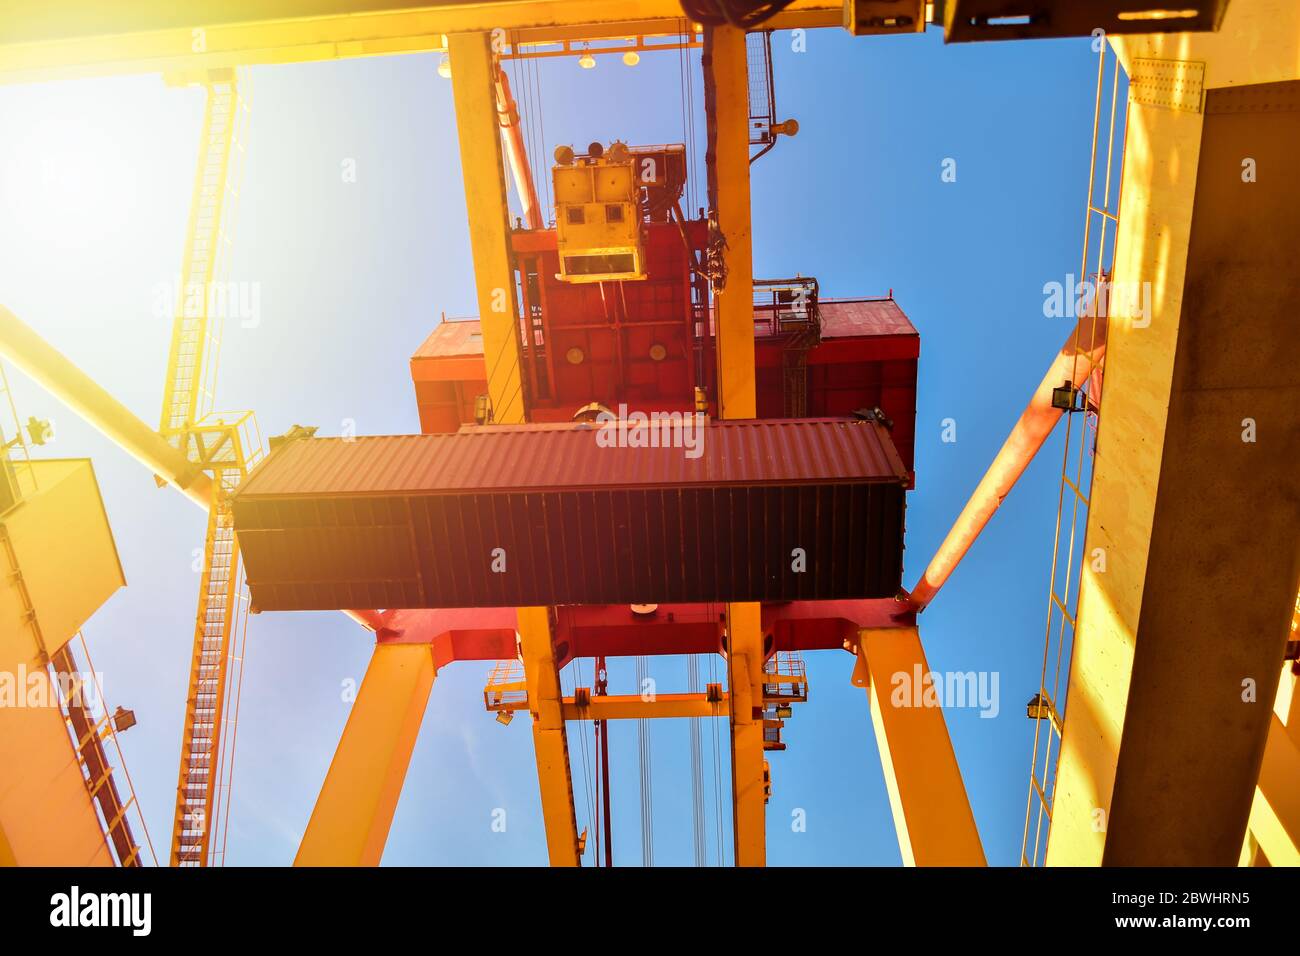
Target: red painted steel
612,342
613,630
448,373
867,359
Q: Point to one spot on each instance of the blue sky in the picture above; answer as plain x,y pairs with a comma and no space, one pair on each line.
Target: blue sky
95,182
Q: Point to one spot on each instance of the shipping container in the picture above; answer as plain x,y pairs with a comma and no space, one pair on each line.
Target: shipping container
795,509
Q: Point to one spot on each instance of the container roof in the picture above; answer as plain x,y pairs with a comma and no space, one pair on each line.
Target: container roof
569,456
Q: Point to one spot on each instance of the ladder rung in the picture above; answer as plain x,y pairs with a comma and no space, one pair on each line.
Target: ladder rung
1075,488
1061,606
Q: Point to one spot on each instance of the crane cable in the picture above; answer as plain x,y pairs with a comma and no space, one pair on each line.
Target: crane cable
528,81
588,772
646,768
697,768
683,77
541,136
717,764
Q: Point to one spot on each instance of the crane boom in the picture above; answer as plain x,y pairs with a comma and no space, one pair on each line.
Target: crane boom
191,328
219,450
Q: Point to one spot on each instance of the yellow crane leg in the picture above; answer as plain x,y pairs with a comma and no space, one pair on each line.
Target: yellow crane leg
735,300
748,772
350,822
63,39
932,815
734,303
473,80
549,738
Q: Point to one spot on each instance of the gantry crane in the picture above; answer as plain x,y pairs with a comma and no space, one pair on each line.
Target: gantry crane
622,251
349,825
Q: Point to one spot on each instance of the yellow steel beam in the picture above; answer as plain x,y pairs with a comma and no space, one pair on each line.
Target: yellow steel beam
58,565
53,371
734,304
190,328
549,738
473,78
350,822
634,707
50,369
62,39
735,301
748,777
932,815
474,75
1164,149
7,857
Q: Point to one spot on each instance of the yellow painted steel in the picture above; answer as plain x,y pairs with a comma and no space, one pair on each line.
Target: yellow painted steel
474,88
1275,812
224,451
1274,829
354,811
61,540
473,78
932,815
221,447
1258,43
61,39
58,565
634,707
735,302
734,306
52,371
7,855
749,783
47,815
736,399
191,326
549,738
